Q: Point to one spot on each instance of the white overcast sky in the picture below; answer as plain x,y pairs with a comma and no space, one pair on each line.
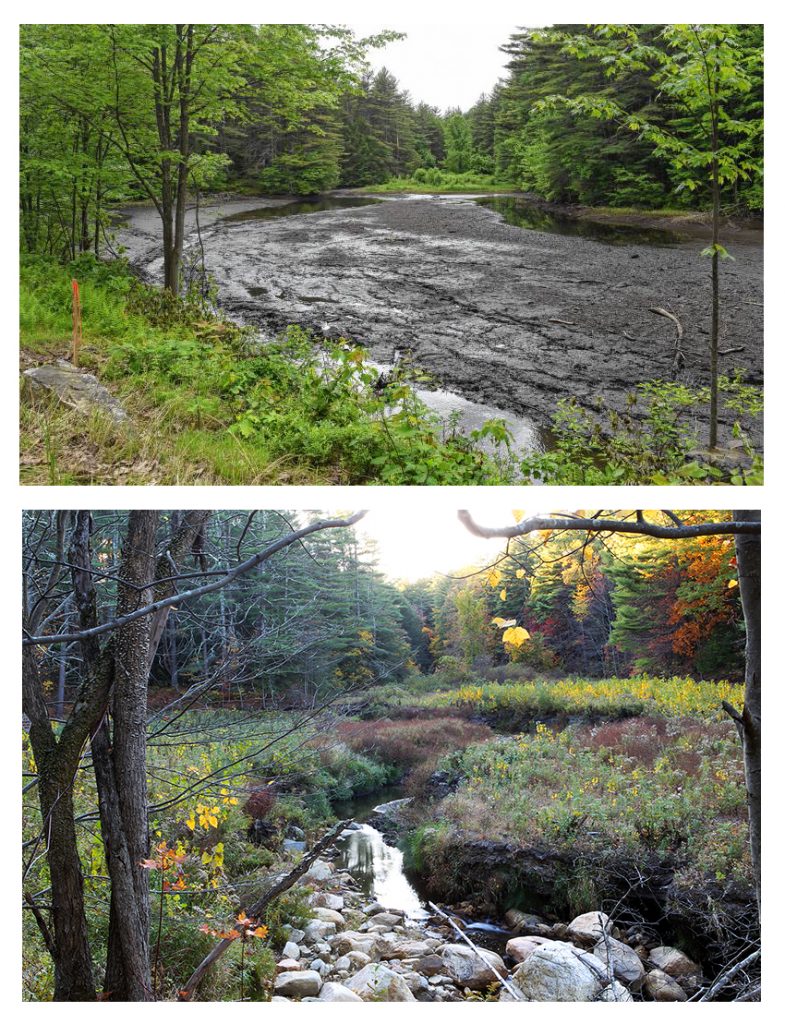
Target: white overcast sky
446,65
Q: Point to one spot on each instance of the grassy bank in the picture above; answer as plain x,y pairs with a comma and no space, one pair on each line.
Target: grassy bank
233,410
426,182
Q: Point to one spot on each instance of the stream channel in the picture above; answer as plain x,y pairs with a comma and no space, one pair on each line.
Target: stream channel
378,868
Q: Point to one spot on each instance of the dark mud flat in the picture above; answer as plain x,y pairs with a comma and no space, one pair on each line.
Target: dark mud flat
478,302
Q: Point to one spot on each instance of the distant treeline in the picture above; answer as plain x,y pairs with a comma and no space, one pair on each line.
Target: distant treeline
112,113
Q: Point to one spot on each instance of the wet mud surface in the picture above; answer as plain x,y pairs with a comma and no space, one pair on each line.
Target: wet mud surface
501,314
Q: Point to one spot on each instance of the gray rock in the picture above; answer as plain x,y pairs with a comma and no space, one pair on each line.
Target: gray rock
295,935
345,942
468,969
402,949
319,871
75,388
589,928
376,983
386,919
298,984
330,900
660,987
616,993
429,965
559,973
317,930
291,951
332,992
325,914
527,924
320,967
625,964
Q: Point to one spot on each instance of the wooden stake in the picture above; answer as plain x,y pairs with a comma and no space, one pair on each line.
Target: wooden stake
76,318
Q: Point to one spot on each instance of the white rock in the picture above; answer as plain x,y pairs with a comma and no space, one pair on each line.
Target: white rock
291,951
677,965
298,984
332,992
325,914
317,930
327,899
320,967
376,983
319,871
559,973
468,969
616,993
590,927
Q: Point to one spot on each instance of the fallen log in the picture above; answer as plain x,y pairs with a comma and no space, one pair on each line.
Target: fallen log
256,910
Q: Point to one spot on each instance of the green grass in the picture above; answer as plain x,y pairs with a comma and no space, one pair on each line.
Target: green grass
433,180
233,410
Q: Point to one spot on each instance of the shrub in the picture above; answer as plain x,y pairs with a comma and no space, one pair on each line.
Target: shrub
260,802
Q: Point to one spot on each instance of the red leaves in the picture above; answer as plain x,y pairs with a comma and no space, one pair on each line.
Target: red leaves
248,929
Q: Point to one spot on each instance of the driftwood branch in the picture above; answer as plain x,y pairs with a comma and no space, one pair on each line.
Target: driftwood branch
510,988
727,976
678,353
728,351
257,909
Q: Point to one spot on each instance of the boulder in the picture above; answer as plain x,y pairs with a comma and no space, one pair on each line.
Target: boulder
291,951
589,928
298,984
660,987
616,993
520,948
75,388
429,965
330,900
319,871
332,992
527,924
320,966
678,966
402,949
385,918
325,914
345,942
468,969
287,964
559,973
316,931
624,963
376,983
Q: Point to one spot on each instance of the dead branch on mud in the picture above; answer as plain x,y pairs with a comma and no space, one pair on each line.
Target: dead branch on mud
678,354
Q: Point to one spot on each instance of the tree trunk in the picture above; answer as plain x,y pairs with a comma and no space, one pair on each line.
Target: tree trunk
72,959
121,772
749,569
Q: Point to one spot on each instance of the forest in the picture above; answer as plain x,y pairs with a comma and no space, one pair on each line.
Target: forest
256,768
159,162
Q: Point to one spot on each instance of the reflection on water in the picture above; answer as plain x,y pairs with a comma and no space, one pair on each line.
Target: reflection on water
378,868
302,206
524,214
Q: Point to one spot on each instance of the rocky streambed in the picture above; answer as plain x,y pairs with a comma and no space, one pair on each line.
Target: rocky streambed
501,312
358,948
